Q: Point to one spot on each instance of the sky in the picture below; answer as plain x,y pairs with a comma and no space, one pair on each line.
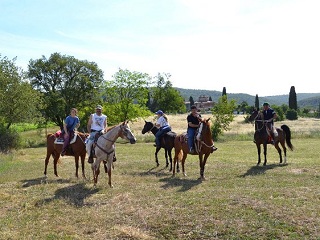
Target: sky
247,46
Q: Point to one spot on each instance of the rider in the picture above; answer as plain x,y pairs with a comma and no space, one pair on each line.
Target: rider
269,114
96,124
70,124
194,119
163,125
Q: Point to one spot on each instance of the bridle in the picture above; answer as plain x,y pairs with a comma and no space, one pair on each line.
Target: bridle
199,137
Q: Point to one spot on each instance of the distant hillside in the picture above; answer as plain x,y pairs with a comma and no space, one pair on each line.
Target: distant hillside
310,100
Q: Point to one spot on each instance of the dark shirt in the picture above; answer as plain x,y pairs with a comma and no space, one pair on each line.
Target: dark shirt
268,114
193,119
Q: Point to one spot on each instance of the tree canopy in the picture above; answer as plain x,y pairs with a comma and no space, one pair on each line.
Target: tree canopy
65,82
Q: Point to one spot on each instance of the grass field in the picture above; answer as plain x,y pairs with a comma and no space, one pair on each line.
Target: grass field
239,200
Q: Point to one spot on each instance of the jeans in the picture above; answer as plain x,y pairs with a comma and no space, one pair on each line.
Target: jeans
191,132
160,133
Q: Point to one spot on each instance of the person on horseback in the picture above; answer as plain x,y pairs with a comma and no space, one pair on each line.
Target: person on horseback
97,123
269,115
70,124
163,125
194,119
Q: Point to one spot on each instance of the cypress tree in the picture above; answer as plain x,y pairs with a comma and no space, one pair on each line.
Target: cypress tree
293,99
256,102
224,91
191,100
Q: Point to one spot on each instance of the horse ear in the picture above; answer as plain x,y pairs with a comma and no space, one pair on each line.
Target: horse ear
208,120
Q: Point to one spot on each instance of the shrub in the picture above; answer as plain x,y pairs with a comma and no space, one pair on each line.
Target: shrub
9,139
291,114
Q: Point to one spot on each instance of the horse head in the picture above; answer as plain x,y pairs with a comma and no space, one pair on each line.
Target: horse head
126,133
205,131
254,115
147,127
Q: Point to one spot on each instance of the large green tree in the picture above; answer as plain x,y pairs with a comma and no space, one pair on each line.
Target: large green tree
165,97
222,116
65,82
18,101
126,96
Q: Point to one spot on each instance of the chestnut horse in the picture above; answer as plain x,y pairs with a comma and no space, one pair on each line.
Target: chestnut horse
261,136
76,149
167,143
203,145
104,149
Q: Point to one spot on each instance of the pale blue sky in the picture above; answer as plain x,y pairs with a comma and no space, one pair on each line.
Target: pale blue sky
248,46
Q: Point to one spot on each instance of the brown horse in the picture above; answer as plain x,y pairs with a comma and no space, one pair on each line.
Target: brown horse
76,149
261,136
104,150
167,143
203,143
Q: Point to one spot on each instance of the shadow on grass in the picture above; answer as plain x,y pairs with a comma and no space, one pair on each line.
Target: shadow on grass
184,183
257,170
42,180
73,195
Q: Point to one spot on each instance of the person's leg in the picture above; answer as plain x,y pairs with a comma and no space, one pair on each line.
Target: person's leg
158,136
66,138
89,147
190,132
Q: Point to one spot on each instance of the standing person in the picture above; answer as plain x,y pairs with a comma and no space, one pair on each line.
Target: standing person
96,124
70,124
269,114
194,119
163,125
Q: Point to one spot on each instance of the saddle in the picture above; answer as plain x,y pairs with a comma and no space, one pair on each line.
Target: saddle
60,140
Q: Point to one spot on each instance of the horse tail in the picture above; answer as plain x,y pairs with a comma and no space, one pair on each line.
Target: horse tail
287,131
180,155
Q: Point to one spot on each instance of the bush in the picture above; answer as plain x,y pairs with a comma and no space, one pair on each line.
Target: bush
9,139
291,114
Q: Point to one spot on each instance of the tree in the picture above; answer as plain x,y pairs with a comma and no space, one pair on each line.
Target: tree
222,116
165,97
191,100
18,101
126,96
224,91
256,102
65,82
293,99
210,99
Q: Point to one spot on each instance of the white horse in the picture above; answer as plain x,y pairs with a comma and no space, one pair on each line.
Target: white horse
105,147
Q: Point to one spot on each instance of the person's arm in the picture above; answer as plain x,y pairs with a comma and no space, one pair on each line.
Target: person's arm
78,124
89,124
65,127
105,124
193,125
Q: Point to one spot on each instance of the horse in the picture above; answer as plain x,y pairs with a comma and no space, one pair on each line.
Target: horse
167,143
203,145
104,149
261,136
76,149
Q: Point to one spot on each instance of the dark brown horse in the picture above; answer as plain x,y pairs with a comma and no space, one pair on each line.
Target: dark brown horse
76,149
261,136
167,143
203,145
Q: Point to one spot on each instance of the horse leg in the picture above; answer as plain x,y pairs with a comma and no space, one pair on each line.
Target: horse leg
76,162
170,157
183,161
55,161
166,156
96,171
259,153
109,172
83,158
276,145
156,155
46,162
202,165
265,153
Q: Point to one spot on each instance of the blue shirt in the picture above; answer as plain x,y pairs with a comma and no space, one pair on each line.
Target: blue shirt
71,122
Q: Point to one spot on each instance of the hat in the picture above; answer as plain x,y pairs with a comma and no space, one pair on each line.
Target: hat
99,107
265,104
159,112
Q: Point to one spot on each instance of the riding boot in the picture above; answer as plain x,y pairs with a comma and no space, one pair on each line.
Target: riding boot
90,159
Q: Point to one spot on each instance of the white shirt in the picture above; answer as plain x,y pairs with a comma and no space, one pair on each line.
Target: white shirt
162,122
98,121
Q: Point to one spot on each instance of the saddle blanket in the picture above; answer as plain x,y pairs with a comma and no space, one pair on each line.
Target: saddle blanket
61,140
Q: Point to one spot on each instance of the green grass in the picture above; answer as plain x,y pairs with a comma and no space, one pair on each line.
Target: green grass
239,200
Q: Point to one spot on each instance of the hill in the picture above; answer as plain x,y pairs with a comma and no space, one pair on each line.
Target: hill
310,100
